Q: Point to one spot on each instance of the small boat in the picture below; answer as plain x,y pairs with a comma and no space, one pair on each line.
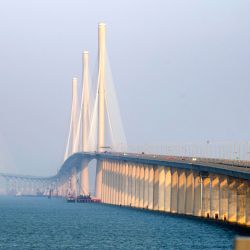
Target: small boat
71,199
84,199
87,199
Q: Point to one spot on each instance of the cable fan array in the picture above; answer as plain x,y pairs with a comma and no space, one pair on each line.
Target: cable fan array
84,120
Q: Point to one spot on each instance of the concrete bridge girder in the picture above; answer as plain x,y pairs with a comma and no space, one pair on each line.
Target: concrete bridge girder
174,190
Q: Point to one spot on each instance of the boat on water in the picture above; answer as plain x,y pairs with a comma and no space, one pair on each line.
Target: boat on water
83,199
71,199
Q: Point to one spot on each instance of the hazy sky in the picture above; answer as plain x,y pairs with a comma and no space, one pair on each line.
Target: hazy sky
181,70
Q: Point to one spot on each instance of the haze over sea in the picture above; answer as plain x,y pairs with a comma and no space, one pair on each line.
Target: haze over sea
41,223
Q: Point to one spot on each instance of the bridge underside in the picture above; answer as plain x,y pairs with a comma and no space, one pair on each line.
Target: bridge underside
175,190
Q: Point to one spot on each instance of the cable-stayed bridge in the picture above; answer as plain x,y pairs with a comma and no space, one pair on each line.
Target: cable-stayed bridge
210,180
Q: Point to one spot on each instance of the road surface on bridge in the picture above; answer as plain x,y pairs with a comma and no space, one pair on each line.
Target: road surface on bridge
217,166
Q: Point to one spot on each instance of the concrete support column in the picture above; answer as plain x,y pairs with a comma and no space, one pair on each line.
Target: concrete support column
241,201
74,182
133,191
126,185
161,188
197,194
206,197
215,194
248,203
123,182
141,193
223,213
232,200
108,181
137,186
130,167
167,191
105,179
112,184
146,184
123,172
156,189
181,191
117,183
117,179
120,183
98,186
103,182
174,191
84,178
151,188
189,206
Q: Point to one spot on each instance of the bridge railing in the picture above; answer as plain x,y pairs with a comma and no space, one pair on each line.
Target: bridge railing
231,151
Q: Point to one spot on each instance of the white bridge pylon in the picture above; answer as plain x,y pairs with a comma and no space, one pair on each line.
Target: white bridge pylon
96,125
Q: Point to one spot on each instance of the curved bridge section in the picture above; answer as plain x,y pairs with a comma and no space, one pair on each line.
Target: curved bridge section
211,189
197,187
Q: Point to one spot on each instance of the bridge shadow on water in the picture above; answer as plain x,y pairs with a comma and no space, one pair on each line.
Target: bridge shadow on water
223,225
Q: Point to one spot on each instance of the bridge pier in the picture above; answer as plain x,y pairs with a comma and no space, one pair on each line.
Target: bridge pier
215,194
241,202
115,182
98,186
84,178
146,187
248,204
109,181
137,186
197,194
103,194
181,191
119,169
141,181
167,190
161,201
122,182
206,197
73,182
232,200
123,186
151,187
156,188
130,167
118,183
189,203
223,198
133,184
174,190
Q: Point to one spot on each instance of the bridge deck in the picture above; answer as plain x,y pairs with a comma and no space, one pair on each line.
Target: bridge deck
217,166
230,168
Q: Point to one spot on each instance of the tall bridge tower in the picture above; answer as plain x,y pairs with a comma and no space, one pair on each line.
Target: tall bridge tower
101,104
85,116
98,125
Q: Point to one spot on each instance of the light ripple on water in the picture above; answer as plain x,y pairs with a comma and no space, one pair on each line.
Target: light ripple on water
41,223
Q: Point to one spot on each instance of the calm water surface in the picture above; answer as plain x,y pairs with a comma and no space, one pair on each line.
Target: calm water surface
41,223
